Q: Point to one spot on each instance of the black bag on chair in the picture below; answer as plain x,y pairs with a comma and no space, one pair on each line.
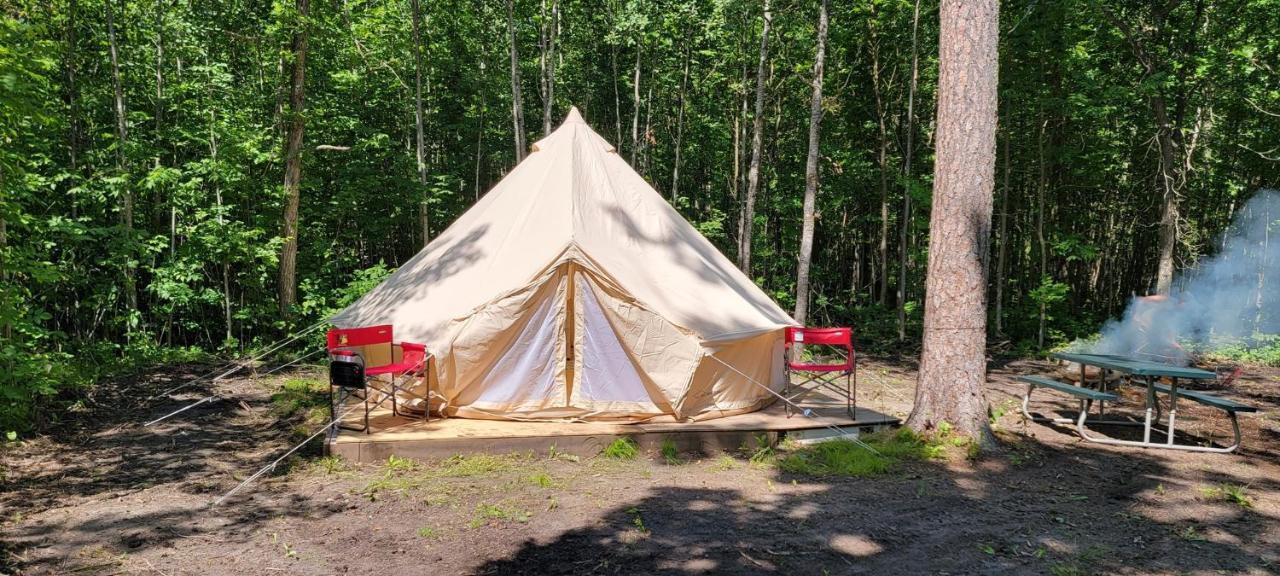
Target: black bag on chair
346,373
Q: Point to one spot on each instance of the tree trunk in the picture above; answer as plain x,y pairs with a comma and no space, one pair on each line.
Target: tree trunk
882,159
1004,239
635,108
953,360
122,133
217,198
684,90
1042,183
617,98
293,162
904,238
424,219
547,44
811,172
517,105
73,101
1168,178
757,143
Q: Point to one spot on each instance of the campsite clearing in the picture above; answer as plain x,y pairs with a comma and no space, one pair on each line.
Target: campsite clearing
107,497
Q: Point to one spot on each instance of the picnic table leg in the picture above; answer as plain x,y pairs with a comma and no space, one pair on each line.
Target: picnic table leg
1102,387
1151,400
1173,408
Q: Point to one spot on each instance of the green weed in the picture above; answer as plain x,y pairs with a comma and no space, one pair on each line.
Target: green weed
485,513
637,520
724,463
1190,534
428,533
621,449
397,464
760,453
330,464
542,480
670,453
1232,493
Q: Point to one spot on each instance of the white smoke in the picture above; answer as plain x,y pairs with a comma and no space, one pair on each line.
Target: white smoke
1232,295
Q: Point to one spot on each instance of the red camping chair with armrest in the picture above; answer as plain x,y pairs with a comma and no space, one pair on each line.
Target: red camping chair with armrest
372,345
413,362
817,374
351,350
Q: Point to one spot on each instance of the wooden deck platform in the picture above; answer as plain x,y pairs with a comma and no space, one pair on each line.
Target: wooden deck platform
415,438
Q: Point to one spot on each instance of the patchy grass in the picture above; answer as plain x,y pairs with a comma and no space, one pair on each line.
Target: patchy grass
670,453
847,458
306,401
494,513
396,464
330,465
1190,534
637,520
428,532
403,474
1082,564
461,466
543,480
298,395
1232,493
724,463
621,449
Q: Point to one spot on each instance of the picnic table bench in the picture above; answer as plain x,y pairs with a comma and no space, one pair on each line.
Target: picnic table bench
1147,372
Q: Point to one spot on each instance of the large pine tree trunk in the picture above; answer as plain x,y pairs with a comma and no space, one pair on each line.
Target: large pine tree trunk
293,162
757,144
424,220
517,104
811,172
953,360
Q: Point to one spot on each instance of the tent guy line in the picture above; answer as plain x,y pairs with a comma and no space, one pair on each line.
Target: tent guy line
239,365
277,461
806,412
220,397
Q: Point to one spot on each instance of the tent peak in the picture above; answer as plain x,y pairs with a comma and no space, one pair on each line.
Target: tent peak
574,116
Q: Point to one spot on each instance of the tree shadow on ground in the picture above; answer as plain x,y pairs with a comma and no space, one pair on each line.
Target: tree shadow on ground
1103,511
112,452
109,456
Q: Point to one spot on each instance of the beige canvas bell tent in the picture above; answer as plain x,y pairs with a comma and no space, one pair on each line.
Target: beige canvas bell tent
573,290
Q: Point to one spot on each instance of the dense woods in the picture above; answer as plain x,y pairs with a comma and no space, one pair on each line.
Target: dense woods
203,177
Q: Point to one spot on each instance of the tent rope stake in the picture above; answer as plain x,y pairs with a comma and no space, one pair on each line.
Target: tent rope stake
806,412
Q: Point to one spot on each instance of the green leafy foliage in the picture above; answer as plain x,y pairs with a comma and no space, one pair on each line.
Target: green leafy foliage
85,297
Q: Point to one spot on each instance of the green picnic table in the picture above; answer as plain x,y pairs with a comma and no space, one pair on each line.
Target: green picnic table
1149,373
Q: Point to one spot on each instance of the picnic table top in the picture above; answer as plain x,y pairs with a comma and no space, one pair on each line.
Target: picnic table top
1135,366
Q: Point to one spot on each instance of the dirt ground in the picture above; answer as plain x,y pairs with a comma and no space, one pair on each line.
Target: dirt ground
107,496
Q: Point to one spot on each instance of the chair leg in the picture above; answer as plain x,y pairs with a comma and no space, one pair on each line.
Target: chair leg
851,389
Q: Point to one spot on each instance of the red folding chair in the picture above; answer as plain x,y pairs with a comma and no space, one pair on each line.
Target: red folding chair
373,345
819,374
